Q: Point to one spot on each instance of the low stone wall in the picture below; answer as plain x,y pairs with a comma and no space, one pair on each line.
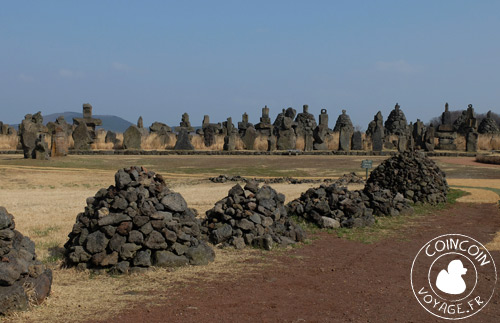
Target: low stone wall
246,153
152,142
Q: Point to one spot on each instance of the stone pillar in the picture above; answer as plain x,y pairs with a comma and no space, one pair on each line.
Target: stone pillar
446,116
60,144
357,142
471,141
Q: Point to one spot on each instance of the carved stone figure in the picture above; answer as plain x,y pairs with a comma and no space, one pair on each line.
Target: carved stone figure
446,116
321,131
376,131
30,130
88,120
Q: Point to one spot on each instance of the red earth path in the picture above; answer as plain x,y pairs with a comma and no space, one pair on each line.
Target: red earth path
331,280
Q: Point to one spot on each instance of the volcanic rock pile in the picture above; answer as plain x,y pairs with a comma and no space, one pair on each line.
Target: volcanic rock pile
396,122
23,279
413,175
251,216
332,206
226,178
386,203
136,224
351,178
488,125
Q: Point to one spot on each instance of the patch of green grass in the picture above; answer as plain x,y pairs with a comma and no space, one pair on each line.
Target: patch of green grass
451,197
49,245
384,227
45,231
70,185
492,189
307,226
454,194
52,259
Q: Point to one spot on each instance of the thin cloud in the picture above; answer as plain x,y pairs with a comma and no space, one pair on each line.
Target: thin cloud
67,73
25,78
399,66
120,67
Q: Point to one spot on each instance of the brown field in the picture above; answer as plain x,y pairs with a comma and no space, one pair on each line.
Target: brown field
46,196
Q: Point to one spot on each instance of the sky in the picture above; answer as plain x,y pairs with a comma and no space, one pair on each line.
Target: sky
159,59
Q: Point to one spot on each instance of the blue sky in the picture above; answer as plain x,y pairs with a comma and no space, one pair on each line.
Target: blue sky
159,59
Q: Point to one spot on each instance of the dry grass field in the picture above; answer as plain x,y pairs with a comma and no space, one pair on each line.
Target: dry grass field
46,196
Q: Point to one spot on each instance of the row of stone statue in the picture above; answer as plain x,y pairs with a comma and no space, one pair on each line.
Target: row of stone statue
283,134
289,127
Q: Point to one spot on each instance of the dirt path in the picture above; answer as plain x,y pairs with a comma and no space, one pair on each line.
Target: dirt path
331,280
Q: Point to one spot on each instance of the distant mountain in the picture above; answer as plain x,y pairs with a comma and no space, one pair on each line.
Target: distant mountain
112,123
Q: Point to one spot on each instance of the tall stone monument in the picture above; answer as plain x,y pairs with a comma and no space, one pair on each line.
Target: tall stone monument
30,130
377,132
305,125
321,132
209,131
88,120
84,128
183,137
446,132
284,130
230,135
346,129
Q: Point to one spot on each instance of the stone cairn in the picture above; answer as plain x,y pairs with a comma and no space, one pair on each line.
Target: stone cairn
23,278
488,125
396,122
251,216
391,189
332,207
351,178
413,175
396,125
345,179
136,224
